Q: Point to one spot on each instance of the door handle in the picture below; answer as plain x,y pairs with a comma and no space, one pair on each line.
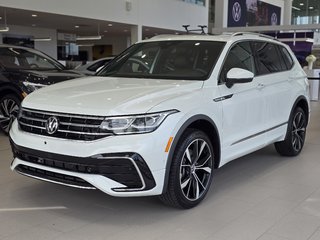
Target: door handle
260,85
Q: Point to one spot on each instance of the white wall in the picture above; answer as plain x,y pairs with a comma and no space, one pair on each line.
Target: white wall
172,13
169,14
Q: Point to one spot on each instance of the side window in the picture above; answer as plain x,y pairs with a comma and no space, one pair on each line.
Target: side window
240,56
286,57
8,58
267,58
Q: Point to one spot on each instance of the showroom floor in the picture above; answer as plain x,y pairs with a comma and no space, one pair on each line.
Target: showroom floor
261,196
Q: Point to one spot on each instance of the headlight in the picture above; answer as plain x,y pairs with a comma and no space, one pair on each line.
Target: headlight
33,86
136,123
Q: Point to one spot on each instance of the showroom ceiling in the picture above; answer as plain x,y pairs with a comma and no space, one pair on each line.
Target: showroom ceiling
310,6
71,24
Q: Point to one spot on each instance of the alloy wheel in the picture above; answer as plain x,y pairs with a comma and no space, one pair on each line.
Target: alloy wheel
8,112
195,169
298,131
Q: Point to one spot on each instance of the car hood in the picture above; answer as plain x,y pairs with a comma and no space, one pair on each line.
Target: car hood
50,76
105,96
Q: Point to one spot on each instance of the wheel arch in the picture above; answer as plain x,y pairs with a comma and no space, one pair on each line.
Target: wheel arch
302,102
7,89
200,122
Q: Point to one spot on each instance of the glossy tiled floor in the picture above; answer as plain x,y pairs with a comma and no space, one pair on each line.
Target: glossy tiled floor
261,196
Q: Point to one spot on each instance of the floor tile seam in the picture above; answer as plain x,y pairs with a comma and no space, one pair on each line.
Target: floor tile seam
79,227
12,235
312,143
283,217
4,149
295,209
247,212
318,229
277,235
297,202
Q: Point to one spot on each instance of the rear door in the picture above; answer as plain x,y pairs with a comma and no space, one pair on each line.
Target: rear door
243,106
273,76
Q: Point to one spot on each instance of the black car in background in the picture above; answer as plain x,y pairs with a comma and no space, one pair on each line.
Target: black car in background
23,70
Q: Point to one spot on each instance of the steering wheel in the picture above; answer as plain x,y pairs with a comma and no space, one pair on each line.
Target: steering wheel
33,65
144,67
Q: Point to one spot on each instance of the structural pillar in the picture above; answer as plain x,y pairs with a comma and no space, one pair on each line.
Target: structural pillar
136,34
287,12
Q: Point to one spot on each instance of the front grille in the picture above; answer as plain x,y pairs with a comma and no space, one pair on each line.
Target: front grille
70,126
54,177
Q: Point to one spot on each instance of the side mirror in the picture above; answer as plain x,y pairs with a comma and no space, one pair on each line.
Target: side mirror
238,75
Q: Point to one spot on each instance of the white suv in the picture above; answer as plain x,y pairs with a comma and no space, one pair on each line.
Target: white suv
163,115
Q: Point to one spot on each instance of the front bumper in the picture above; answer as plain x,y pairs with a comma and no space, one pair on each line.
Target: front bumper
128,169
119,166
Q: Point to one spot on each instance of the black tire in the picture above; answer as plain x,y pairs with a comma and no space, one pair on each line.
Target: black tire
296,134
9,108
191,171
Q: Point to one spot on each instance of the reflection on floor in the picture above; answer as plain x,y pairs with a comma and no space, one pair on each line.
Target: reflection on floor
261,196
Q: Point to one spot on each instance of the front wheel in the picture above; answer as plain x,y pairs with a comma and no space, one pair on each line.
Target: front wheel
191,170
296,134
9,108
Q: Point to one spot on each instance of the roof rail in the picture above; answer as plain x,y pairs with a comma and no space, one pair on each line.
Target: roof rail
252,33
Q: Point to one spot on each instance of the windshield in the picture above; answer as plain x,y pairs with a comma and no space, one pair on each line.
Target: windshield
17,58
187,60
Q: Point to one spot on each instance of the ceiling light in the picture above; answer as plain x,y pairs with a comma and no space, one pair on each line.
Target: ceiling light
295,8
110,25
301,4
4,29
311,7
45,39
82,38
0,18
34,15
76,26
85,45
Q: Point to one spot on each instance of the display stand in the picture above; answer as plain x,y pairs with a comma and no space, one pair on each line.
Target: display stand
314,80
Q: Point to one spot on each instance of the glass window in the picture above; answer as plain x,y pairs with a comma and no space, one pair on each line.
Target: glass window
198,2
268,59
286,57
185,60
11,57
305,12
94,67
240,56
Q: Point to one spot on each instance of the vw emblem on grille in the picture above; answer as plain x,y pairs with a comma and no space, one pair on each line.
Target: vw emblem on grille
52,125
274,19
236,12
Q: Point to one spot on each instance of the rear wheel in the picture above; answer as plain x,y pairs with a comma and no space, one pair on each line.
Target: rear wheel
191,170
9,108
296,134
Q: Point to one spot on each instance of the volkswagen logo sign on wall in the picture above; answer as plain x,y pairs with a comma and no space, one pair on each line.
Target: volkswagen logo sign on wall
236,12
274,19
52,125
